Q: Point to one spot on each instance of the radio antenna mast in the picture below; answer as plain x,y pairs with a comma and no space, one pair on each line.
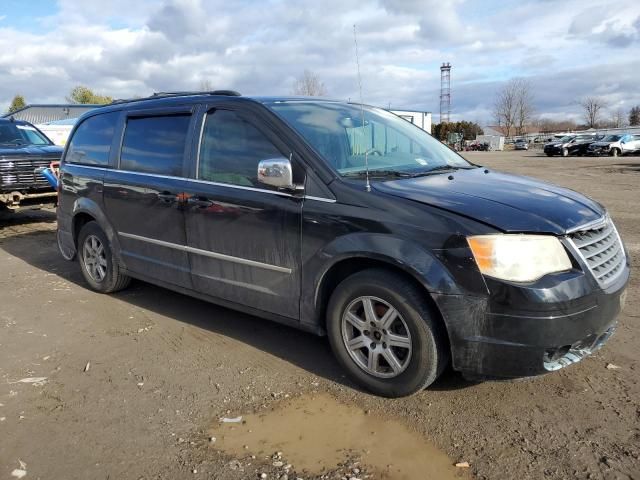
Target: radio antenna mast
366,153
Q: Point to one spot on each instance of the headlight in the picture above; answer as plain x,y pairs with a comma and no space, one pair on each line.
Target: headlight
519,258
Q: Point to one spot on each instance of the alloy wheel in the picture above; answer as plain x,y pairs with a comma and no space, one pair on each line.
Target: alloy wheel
376,337
94,258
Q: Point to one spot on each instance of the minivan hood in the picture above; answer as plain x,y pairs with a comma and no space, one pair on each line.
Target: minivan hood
507,202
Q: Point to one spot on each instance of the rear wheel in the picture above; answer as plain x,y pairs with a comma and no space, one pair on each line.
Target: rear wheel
384,333
549,154
615,152
99,267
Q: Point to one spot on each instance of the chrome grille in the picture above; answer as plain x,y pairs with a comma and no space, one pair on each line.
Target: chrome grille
601,249
19,173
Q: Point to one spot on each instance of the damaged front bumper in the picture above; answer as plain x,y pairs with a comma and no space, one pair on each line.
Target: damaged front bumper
522,331
16,200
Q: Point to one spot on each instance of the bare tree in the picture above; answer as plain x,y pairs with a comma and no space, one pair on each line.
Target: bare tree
618,118
206,86
309,84
524,105
634,116
513,107
546,125
504,109
592,107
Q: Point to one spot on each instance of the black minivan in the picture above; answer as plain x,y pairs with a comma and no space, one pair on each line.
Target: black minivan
344,220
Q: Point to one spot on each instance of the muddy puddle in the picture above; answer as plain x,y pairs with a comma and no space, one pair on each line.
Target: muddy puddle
316,433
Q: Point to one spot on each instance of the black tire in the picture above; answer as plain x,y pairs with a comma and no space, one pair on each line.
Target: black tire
615,152
549,154
113,279
429,352
565,152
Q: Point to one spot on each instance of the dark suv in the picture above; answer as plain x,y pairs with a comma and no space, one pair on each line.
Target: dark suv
571,145
344,220
24,151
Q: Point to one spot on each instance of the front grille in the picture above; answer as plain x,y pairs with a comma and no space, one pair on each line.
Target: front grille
19,173
601,249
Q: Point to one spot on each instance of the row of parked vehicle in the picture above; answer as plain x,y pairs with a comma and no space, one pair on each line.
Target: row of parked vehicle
593,144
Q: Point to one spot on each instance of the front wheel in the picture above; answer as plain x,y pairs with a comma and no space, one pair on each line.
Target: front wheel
615,152
99,267
565,152
384,334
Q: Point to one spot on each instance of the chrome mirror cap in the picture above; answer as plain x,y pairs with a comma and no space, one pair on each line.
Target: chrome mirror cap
276,172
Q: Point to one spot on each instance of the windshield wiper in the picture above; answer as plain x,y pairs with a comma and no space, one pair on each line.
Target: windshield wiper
377,173
438,169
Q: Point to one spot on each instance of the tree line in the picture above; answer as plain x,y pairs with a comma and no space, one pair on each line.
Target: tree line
308,83
78,95
469,130
513,111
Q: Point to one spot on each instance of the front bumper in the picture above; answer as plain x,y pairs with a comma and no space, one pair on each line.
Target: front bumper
553,150
597,151
524,331
17,200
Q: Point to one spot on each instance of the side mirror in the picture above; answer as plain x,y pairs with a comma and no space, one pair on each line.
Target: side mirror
276,172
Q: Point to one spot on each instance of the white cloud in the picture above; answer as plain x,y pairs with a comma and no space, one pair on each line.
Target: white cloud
138,47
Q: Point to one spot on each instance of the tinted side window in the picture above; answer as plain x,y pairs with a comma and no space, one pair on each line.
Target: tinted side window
155,144
91,142
231,149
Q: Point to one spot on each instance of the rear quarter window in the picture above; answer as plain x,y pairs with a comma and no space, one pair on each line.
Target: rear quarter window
155,144
91,142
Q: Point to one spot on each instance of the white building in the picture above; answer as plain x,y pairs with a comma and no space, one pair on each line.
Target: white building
58,131
420,119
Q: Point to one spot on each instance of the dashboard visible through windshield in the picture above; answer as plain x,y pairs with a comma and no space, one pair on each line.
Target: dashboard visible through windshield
350,138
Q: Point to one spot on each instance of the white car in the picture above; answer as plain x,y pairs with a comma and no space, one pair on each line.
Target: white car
615,145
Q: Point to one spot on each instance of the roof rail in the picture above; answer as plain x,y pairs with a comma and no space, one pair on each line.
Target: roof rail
229,93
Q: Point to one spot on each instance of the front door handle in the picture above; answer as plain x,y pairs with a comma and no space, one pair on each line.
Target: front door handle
200,202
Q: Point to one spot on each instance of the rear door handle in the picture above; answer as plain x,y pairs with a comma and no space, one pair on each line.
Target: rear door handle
200,202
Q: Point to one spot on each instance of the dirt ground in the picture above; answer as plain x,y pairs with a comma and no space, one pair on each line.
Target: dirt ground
134,385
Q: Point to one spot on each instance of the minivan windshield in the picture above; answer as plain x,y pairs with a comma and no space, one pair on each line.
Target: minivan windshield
12,133
389,144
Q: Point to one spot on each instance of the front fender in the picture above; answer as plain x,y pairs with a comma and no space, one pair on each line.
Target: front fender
422,264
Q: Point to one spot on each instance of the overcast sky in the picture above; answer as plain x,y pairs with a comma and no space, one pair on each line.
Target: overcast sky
568,49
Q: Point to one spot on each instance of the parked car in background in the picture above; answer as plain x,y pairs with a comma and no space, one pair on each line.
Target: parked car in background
571,145
542,139
521,144
24,151
615,145
346,221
